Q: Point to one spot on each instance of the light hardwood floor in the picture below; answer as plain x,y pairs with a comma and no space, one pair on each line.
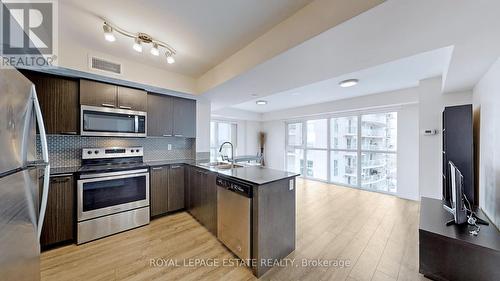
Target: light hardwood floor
376,233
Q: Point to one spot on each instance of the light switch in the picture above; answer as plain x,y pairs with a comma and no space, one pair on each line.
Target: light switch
291,184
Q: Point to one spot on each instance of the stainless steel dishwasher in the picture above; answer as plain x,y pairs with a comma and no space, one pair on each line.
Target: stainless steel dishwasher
234,216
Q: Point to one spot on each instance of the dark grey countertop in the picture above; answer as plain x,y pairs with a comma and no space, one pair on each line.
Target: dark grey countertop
252,174
63,170
169,162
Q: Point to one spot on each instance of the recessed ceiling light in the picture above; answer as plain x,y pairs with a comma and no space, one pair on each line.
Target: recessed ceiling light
261,102
348,83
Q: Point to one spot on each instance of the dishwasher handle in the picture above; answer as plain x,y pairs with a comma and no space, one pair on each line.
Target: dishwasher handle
239,187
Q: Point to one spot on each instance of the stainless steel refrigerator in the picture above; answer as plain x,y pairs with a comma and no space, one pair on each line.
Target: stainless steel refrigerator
22,208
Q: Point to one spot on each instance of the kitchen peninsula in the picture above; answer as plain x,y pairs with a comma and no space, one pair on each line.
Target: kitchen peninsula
266,200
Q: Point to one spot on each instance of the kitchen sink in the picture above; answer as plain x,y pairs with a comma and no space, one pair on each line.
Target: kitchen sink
221,165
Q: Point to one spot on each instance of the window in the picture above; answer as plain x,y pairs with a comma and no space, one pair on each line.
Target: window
358,150
308,143
378,151
220,132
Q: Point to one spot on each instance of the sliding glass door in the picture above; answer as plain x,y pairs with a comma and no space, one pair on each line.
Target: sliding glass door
358,151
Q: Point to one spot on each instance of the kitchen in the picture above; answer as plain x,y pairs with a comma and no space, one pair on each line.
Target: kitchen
120,157
240,140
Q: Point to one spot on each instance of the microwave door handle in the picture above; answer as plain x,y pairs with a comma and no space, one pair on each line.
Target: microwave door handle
136,123
45,157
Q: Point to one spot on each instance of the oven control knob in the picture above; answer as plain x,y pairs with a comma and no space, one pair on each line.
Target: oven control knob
96,151
89,152
137,150
131,151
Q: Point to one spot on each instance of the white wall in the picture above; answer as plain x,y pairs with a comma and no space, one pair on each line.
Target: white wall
408,152
274,148
487,104
202,125
431,105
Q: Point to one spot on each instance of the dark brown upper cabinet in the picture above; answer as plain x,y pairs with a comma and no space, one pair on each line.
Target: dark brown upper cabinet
108,95
97,94
59,102
132,99
184,118
160,112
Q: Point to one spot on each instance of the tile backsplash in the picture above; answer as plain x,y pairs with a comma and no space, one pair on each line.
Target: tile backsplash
65,151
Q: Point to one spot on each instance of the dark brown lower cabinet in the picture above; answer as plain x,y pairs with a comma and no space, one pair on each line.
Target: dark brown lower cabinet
202,192
167,189
175,188
59,222
159,190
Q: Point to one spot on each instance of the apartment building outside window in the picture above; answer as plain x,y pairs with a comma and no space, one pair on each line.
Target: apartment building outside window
357,151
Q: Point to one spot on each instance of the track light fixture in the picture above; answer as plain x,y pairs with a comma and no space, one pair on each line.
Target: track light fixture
140,39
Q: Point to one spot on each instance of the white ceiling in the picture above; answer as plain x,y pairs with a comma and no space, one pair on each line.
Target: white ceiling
203,32
400,74
379,39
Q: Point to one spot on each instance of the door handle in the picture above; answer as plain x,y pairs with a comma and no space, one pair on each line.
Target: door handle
45,157
125,107
108,105
157,168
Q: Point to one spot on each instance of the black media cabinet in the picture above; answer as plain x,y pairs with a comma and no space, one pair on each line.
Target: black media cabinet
450,252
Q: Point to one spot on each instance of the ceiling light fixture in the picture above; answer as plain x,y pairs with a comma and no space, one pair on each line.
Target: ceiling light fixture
137,45
261,102
170,57
154,50
108,33
140,39
349,83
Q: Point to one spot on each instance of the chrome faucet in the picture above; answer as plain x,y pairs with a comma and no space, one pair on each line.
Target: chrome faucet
232,152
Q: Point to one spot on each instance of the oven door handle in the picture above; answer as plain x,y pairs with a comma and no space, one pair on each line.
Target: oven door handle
114,174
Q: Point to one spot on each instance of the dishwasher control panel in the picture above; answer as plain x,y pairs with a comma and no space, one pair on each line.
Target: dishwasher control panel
241,188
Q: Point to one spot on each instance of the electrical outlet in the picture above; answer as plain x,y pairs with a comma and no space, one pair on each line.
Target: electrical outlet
169,146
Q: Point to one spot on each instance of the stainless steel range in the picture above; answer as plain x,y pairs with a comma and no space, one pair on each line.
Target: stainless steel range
112,192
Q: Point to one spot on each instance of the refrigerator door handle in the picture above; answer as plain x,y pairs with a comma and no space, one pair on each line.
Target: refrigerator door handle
45,157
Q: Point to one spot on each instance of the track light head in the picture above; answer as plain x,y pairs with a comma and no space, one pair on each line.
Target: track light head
108,33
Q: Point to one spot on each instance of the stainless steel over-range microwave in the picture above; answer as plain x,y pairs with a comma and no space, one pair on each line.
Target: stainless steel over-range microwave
113,122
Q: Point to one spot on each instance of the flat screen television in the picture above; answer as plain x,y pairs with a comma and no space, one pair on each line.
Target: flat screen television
456,204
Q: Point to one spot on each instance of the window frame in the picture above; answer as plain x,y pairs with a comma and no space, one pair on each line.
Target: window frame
359,151
216,136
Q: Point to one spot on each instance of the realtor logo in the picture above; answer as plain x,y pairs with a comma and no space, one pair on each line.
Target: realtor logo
28,33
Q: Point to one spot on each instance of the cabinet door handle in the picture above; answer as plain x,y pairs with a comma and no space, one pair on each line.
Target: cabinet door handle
59,179
125,107
178,135
108,105
167,135
68,133
157,168
61,175
175,167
